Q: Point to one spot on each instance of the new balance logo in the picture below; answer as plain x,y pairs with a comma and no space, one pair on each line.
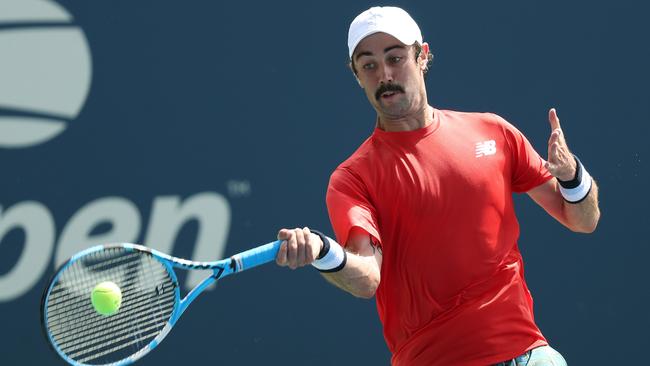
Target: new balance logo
486,148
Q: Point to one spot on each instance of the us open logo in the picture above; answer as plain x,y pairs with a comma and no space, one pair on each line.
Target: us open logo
45,72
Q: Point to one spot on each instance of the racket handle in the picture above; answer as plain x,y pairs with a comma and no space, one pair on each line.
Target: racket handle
256,256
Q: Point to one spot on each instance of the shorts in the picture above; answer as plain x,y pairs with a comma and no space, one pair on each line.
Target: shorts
540,356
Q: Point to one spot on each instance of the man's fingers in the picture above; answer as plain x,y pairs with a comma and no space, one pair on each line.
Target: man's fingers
560,162
292,250
553,152
300,254
281,258
310,254
298,247
553,119
283,234
555,137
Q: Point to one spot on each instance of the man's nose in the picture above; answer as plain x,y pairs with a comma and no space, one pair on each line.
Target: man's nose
385,74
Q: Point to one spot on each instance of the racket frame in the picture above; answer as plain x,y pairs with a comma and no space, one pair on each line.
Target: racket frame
220,269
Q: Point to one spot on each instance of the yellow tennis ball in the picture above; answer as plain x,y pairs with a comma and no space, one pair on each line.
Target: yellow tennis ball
106,298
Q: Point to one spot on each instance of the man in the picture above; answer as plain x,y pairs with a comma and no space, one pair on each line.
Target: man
424,211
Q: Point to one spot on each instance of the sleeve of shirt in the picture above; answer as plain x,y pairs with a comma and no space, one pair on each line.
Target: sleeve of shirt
528,167
348,206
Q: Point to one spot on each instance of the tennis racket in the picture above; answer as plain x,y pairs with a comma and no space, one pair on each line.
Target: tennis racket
151,301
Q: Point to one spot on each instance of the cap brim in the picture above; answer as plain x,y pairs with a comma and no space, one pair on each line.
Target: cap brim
406,42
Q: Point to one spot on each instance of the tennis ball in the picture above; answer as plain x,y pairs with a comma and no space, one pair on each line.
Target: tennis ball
106,298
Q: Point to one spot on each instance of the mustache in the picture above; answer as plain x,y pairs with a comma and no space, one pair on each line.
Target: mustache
390,87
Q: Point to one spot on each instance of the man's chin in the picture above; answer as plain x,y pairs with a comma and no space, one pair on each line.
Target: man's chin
393,110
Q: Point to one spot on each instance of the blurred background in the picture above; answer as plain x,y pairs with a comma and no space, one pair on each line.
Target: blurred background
201,128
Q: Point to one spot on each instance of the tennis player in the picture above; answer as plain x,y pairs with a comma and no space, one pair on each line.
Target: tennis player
424,218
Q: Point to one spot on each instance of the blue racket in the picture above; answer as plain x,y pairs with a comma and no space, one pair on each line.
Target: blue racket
151,301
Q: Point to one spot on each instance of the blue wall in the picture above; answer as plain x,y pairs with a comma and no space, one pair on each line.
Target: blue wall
252,105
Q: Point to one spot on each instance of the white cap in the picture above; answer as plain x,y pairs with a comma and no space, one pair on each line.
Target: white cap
387,19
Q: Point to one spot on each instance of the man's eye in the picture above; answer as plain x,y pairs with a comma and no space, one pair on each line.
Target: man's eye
369,66
395,59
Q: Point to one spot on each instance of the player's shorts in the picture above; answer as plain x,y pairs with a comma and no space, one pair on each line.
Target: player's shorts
540,356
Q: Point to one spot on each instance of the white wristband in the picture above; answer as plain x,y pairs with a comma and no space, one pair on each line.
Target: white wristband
578,193
335,258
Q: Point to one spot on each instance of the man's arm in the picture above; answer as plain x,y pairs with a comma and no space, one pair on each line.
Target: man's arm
582,216
579,217
361,274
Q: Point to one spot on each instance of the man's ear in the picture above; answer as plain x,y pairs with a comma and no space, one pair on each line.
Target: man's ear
423,58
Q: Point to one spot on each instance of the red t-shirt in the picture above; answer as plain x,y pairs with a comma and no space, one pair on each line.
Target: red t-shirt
439,202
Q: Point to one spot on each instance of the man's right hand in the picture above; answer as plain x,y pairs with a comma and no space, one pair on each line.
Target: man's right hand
300,247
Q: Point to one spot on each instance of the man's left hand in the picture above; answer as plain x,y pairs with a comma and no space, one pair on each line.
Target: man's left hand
561,162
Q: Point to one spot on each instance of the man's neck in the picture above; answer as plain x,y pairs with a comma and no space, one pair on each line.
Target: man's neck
411,122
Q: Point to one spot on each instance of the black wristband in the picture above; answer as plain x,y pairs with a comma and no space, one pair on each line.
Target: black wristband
577,179
326,244
577,189
325,250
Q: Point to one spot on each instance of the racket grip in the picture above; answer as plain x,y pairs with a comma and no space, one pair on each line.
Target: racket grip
256,256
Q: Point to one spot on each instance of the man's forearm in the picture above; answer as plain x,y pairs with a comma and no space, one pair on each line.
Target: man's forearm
360,276
583,216
355,270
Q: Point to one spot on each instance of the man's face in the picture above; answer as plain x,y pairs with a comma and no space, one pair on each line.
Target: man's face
389,74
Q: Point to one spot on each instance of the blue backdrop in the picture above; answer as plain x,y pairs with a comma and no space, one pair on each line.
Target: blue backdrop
204,127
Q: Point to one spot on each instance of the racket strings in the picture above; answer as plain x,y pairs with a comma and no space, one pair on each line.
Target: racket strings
148,300
87,323
94,354
86,316
71,278
73,303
